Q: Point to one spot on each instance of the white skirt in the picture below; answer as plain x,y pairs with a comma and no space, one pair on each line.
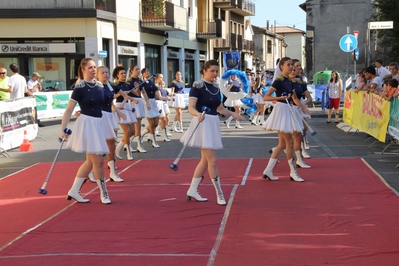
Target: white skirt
88,136
206,136
166,108
301,112
282,120
109,125
127,111
140,108
258,98
232,103
154,111
161,108
116,119
178,101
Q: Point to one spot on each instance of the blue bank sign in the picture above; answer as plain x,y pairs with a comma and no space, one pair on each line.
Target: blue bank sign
348,43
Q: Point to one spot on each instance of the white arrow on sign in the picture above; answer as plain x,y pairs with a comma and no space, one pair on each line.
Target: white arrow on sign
348,42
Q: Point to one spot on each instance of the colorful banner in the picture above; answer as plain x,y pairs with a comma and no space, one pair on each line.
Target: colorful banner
52,104
367,112
393,127
232,60
16,117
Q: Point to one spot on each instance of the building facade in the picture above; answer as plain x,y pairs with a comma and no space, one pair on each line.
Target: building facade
295,40
327,21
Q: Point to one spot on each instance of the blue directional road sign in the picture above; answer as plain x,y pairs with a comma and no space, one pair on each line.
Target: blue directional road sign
356,53
348,43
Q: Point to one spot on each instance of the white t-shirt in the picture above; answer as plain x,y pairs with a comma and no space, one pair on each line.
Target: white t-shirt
377,80
31,84
18,83
382,72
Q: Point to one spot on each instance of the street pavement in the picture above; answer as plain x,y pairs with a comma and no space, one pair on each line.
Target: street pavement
331,141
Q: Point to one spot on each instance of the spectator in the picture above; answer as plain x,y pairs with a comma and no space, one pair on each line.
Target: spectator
4,84
17,84
393,68
361,82
381,71
34,84
390,89
335,93
374,82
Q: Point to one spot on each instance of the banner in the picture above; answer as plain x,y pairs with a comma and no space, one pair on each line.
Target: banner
367,112
16,117
52,104
232,60
393,127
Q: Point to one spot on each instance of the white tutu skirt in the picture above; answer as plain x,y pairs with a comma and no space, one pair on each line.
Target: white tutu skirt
282,120
88,136
116,119
161,108
302,113
130,116
206,136
109,125
178,101
232,103
140,108
154,111
258,98
166,108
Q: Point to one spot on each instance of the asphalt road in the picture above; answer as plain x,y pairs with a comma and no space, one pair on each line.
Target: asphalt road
331,141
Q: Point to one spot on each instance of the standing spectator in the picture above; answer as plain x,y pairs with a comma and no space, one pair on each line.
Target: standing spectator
34,84
393,68
17,84
374,82
335,93
4,79
207,136
380,70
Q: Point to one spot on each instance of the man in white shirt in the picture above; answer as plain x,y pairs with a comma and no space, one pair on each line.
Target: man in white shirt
17,84
381,71
393,68
34,84
374,82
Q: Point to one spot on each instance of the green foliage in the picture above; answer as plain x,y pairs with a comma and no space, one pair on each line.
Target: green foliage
387,10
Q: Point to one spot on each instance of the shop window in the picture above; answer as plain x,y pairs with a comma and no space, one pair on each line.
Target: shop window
52,70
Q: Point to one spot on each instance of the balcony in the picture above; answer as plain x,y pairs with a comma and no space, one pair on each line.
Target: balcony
220,45
163,16
248,47
209,30
106,5
240,7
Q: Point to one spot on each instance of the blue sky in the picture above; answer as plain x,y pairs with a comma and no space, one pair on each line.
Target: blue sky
285,12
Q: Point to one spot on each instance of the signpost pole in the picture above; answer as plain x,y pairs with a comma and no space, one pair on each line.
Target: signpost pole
348,54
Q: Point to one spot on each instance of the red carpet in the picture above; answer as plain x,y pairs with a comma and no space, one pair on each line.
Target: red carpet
342,215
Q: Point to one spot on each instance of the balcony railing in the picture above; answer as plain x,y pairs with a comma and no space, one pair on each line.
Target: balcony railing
241,7
162,15
209,30
220,45
107,5
248,46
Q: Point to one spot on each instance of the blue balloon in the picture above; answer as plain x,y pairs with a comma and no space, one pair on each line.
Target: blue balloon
247,101
253,106
250,111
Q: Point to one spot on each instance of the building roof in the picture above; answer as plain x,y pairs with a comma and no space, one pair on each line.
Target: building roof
287,29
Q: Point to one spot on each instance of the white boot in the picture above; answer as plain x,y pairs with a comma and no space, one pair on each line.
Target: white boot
261,120
113,175
118,149
139,147
145,132
299,160
168,132
175,126
238,125
157,129
74,192
219,192
193,190
153,140
131,140
103,191
293,173
227,122
268,172
255,120
306,143
165,137
181,126
91,177
304,152
128,152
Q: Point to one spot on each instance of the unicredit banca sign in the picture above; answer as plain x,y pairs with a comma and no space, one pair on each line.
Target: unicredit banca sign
23,48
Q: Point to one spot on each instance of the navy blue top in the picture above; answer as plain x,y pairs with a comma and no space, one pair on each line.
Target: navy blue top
164,93
259,89
90,97
207,94
236,86
149,88
300,88
123,86
178,86
131,81
283,86
109,97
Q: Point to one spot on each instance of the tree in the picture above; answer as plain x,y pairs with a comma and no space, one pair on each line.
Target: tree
387,10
